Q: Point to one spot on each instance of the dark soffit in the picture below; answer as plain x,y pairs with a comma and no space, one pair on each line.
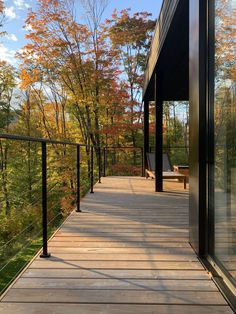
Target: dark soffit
172,64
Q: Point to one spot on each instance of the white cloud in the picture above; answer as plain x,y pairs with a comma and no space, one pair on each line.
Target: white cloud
10,13
21,4
7,54
12,37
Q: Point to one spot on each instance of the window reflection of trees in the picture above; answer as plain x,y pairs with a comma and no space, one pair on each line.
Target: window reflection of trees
225,132
225,91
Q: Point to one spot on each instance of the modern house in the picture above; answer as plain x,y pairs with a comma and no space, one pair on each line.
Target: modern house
126,248
192,58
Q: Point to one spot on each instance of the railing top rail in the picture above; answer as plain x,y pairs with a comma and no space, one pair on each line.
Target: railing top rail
35,139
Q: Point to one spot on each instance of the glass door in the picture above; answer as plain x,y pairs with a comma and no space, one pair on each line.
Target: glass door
223,111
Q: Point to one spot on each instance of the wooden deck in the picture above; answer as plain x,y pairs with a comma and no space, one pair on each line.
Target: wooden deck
128,252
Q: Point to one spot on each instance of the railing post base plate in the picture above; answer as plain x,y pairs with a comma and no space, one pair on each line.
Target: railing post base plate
45,255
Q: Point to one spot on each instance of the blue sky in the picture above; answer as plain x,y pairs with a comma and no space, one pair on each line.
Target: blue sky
16,12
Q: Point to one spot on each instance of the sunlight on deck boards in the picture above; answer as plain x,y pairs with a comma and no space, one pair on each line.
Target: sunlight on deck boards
127,252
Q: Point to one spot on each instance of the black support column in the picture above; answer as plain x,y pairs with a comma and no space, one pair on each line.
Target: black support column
158,137
146,131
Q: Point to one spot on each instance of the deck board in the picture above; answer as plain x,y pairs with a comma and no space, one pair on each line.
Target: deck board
117,273
127,252
52,264
22,308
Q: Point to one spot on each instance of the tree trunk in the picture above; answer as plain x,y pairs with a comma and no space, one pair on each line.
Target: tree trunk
4,163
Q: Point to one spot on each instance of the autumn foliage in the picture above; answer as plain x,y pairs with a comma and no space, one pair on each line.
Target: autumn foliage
85,69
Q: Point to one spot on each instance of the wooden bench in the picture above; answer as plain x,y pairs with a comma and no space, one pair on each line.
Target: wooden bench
150,172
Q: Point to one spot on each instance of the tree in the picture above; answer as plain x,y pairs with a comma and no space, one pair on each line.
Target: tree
131,36
65,53
225,90
1,16
7,115
76,75
175,130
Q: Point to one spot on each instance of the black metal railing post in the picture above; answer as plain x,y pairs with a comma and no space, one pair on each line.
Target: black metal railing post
99,165
78,180
91,174
142,162
44,202
104,161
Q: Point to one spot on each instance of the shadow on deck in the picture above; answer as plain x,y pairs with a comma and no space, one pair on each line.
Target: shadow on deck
127,252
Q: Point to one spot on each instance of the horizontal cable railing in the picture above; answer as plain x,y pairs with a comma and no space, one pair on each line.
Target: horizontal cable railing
37,140
41,185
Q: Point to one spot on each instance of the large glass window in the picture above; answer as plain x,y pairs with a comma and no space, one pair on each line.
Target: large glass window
225,135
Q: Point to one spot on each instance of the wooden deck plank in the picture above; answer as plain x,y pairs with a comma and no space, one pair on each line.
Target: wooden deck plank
117,273
123,257
114,296
129,232
127,252
138,237
71,243
41,308
126,238
115,284
117,264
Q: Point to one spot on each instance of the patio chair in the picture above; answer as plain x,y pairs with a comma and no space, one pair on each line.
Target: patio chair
167,169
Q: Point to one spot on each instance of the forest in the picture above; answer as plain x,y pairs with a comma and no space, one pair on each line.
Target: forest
78,81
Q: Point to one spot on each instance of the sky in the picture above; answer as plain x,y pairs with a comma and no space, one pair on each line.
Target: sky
16,12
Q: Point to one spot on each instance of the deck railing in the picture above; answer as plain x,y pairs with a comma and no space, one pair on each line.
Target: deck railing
44,169
43,211
49,159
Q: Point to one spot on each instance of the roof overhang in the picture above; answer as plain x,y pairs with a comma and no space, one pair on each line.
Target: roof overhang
169,53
